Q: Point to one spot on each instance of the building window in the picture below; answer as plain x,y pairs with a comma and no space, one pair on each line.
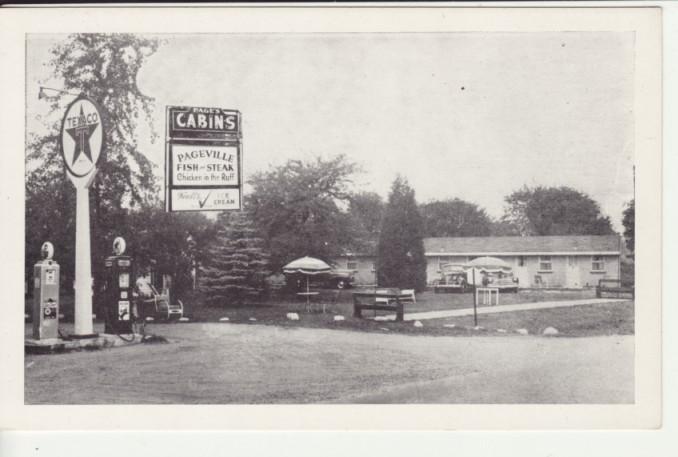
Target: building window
352,264
545,263
597,263
521,261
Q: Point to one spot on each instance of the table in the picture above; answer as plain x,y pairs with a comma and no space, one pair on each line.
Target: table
308,296
396,296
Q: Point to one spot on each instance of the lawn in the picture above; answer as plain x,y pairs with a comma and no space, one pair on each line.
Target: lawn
604,319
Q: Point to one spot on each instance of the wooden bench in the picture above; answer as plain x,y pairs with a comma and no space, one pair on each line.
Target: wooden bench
614,286
381,301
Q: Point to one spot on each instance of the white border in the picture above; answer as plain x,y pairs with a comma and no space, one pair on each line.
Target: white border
13,23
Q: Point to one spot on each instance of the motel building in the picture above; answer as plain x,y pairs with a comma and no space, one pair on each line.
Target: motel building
572,262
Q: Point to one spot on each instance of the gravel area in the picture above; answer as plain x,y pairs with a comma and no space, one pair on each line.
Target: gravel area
219,363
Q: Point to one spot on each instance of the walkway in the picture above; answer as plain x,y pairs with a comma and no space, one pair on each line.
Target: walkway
507,308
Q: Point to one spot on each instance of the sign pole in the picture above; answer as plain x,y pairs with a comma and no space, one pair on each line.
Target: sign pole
475,299
83,265
81,142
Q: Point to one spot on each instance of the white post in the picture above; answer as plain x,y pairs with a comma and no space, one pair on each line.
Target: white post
83,265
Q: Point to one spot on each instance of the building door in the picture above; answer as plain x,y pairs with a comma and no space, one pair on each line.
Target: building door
521,273
572,273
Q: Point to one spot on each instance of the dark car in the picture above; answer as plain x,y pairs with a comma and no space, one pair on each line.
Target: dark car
333,279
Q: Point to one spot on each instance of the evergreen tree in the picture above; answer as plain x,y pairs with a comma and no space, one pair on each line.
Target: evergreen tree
236,265
401,261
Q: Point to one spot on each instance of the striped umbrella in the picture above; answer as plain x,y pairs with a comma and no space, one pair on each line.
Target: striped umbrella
307,266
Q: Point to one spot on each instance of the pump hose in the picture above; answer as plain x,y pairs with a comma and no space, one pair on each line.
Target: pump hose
135,325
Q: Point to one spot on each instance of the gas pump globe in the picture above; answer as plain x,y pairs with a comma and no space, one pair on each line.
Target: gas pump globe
118,290
46,295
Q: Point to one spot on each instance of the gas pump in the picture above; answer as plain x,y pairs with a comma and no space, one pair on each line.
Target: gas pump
118,290
46,295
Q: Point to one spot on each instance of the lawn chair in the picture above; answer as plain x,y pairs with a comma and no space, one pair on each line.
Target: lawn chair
161,305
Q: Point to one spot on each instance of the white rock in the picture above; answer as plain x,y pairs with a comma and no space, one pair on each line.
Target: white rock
478,327
184,319
339,318
449,325
522,331
253,319
550,331
150,319
501,330
381,318
418,324
293,316
224,319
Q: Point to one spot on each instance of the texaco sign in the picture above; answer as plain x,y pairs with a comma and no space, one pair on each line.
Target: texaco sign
82,139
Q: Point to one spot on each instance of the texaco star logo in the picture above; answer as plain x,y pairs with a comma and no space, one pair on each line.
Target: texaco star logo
81,137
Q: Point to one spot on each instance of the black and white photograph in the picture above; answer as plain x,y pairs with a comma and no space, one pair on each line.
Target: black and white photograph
413,216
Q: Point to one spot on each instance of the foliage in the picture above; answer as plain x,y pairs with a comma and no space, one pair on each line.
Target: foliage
454,217
237,263
400,252
365,211
105,67
546,211
629,223
297,208
169,243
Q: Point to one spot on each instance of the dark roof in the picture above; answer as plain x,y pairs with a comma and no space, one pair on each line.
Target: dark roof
522,244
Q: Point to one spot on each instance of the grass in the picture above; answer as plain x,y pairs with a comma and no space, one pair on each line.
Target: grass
571,321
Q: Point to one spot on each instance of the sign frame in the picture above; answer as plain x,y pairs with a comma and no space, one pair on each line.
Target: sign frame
198,138
87,178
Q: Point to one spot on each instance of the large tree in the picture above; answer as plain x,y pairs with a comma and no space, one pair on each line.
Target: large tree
400,253
105,67
298,207
555,211
454,217
365,211
629,223
237,263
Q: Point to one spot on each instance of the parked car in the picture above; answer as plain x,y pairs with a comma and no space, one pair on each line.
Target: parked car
333,279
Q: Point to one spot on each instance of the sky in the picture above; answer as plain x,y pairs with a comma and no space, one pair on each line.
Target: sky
467,115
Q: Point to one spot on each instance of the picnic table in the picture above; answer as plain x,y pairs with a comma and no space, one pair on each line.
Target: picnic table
381,300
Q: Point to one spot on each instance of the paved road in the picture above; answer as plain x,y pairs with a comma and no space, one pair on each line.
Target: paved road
227,363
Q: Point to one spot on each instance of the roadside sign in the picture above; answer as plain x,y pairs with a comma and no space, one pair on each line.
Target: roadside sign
81,140
202,123
203,159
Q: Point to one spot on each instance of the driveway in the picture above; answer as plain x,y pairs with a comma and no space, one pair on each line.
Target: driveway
226,363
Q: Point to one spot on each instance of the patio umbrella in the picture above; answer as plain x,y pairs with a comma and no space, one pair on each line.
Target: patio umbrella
488,263
307,266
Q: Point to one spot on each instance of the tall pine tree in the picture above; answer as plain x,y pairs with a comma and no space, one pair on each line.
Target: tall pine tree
237,264
401,261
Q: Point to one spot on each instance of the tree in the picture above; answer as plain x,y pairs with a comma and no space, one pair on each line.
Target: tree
629,223
400,252
555,211
365,211
455,217
105,67
168,242
297,208
237,263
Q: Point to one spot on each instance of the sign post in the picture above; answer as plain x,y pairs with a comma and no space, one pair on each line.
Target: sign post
203,159
81,143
